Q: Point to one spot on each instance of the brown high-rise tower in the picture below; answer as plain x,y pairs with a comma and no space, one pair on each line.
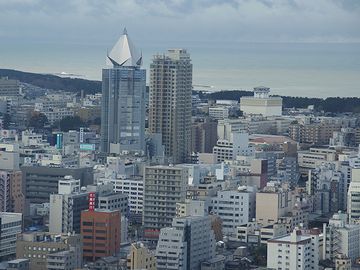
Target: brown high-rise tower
170,102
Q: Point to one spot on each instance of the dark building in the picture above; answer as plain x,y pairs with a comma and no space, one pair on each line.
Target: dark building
41,181
203,135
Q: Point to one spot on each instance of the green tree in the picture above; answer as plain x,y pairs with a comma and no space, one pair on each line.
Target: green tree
6,120
37,120
71,123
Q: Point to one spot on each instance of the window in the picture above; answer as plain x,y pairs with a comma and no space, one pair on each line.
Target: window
86,223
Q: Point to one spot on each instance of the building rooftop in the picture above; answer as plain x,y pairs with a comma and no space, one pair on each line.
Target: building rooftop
124,53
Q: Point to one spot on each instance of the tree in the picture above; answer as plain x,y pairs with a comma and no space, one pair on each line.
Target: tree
6,120
71,122
37,120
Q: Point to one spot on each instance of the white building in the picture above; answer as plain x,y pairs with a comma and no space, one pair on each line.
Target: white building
219,112
9,156
56,114
234,207
261,103
298,250
191,208
10,227
341,238
353,198
189,242
133,187
66,206
238,145
328,187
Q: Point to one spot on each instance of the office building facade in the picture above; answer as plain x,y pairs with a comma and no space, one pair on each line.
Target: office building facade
123,100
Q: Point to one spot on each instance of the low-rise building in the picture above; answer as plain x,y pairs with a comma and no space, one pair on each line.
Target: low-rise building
140,257
37,246
298,250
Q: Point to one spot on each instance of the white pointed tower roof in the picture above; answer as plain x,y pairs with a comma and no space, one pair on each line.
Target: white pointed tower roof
124,53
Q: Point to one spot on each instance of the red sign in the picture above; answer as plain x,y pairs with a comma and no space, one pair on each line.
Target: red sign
91,201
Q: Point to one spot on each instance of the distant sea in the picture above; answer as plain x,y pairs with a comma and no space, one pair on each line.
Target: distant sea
293,69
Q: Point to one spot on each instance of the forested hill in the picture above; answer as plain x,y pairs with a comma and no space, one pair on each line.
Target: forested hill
49,81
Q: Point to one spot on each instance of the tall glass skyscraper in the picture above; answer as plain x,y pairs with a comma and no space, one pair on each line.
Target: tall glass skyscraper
123,100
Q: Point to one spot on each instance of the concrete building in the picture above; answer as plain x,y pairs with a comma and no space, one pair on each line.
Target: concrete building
298,250
10,226
204,135
55,115
17,264
342,262
189,242
114,201
62,260
216,263
313,133
261,103
9,156
234,207
328,187
238,145
66,207
123,100
219,112
164,187
101,231
133,188
37,246
254,233
191,208
170,102
5,193
140,257
353,197
278,204
341,238
271,204
9,87
41,181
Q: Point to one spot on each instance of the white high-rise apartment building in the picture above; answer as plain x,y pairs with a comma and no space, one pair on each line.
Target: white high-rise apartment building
170,102
164,186
186,244
123,100
296,251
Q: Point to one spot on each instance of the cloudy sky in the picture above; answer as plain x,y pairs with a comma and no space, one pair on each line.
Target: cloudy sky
296,47
82,21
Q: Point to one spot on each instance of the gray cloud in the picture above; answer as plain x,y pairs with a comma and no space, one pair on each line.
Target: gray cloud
182,20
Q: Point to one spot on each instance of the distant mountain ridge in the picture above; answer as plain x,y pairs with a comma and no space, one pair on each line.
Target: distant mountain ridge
53,82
